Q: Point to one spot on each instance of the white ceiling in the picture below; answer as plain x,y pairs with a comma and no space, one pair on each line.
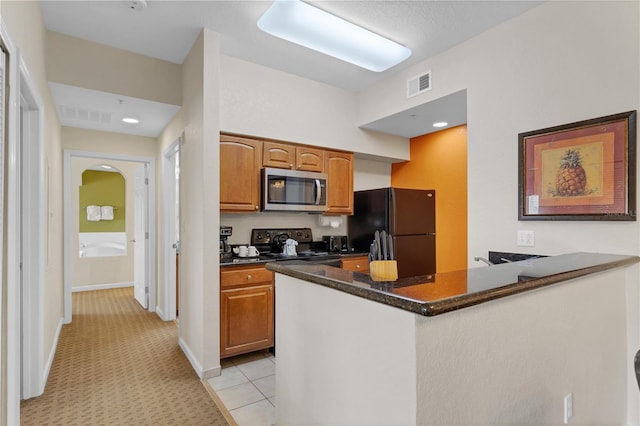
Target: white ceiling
167,30
91,109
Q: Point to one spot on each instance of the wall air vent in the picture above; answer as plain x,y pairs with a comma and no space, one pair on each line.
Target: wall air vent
419,84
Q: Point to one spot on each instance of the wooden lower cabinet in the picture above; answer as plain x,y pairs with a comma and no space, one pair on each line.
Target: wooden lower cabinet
246,310
356,264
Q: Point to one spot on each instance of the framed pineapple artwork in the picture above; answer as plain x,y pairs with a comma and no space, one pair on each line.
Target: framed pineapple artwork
579,171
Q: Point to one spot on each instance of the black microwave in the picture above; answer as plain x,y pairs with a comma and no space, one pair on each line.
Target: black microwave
293,190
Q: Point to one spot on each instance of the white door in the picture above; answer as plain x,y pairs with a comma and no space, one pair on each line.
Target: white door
140,237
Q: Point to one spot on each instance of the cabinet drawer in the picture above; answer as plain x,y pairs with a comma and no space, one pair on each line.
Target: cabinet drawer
358,264
238,277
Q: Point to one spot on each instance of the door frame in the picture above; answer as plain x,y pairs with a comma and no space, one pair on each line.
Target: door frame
168,311
10,361
34,369
151,221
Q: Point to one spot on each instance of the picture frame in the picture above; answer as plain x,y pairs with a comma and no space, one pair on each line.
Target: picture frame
579,171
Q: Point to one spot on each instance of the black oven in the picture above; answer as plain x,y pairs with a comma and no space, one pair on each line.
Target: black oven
293,190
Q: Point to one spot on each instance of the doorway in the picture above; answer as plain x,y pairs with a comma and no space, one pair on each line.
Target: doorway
171,227
143,241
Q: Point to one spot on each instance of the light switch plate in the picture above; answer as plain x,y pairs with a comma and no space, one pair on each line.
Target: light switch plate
526,238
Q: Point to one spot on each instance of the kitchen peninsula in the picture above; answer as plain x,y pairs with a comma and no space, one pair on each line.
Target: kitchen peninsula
500,344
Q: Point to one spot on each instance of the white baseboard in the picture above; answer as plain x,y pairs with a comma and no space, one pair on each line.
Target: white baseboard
192,359
160,313
202,374
52,354
100,286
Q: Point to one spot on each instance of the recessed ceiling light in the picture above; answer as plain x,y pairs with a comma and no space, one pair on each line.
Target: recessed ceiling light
130,120
440,124
316,29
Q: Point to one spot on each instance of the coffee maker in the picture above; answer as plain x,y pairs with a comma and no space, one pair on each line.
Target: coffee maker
225,248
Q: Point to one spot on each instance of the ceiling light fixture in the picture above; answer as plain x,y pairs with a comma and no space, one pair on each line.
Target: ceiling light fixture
130,120
316,29
440,124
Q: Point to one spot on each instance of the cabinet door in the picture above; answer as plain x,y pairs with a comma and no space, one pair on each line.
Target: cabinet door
309,159
240,162
356,264
278,155
246,320
339,168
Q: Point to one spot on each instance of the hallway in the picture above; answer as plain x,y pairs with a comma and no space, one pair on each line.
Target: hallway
118,364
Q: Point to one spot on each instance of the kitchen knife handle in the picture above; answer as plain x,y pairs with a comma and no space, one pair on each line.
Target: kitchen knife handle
383,241
390,246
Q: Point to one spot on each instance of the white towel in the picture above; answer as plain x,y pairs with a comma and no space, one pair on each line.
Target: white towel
94,213
107,212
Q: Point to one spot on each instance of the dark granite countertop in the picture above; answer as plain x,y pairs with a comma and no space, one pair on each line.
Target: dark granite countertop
436,294
353,254
262,260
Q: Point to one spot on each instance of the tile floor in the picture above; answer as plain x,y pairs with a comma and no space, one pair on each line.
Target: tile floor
247,388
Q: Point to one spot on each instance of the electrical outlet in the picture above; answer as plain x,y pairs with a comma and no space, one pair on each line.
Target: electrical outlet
568,407
526,238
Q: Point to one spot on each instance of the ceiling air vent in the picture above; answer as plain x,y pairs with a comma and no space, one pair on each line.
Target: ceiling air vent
419,84
83,114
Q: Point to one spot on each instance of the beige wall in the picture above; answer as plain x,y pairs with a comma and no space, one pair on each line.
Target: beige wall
512,361
90,65
520,78
26,31
107,142
199,197
261,101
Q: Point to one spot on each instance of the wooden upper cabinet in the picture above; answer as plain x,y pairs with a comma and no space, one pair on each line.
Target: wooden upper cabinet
278,155
339,169
285,156
309,159
240,162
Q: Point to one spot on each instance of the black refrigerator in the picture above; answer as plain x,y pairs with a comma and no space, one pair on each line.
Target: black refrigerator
409,215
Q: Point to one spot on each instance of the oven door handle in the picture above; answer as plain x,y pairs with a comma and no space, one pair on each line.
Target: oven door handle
318,191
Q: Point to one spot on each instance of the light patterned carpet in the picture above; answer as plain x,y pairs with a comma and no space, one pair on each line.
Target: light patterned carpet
117,364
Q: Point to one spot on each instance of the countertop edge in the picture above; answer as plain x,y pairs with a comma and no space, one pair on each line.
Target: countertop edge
350,288
453,303
461,302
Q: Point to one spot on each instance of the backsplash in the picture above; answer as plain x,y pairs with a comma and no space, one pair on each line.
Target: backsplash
243,224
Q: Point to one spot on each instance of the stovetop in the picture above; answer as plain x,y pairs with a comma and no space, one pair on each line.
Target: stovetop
270,241
278,236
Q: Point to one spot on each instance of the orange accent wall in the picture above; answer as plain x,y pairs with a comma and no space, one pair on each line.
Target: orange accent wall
439,161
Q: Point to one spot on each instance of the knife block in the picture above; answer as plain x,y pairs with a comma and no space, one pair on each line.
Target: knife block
383,270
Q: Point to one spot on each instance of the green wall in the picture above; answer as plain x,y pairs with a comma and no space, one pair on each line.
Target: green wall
103,189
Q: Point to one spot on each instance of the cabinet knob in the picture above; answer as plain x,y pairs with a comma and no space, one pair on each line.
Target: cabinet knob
270,288
249,277
357,266
257,207
291,166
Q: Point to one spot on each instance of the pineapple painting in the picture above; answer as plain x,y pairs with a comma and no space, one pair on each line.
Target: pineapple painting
571,179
